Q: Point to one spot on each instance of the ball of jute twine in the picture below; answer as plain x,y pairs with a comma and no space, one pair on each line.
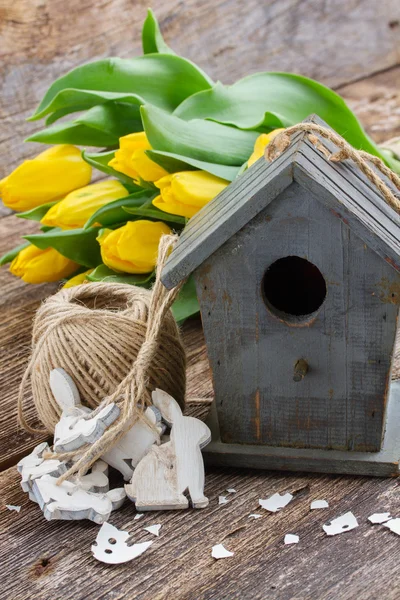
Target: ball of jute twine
113,355
282,141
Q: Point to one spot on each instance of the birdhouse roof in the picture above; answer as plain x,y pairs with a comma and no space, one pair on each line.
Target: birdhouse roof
342,187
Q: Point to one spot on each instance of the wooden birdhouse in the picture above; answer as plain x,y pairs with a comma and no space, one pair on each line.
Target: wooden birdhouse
297,272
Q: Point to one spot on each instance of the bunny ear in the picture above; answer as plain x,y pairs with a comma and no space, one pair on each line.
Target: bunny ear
169,407
64,389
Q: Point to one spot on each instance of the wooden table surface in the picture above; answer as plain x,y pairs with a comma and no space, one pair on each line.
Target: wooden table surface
351,45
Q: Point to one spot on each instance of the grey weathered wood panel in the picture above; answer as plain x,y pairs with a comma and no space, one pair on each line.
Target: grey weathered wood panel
340,403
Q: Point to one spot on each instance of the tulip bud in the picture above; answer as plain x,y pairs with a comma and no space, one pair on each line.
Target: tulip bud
39,266
132,248
76,208
186,192
48,177
260,144
78,279
131,158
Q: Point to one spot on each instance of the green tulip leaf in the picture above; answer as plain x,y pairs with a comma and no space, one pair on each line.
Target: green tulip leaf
164,80
63,112
148,211
11,254
101,126
173,163
104,273
152,39
100,162
79,245
186,305
199,139
36,214
115,212
265,101
73,133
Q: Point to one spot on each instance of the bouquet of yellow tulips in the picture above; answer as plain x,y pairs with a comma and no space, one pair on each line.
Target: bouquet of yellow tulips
171,139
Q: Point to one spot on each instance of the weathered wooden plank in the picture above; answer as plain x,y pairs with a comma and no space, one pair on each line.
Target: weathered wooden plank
43,560
228,39
18,303
376,102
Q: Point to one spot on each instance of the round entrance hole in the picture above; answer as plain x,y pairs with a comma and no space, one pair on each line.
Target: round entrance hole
293,288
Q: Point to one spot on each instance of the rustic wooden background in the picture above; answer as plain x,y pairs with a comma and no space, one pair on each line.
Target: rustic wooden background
352,45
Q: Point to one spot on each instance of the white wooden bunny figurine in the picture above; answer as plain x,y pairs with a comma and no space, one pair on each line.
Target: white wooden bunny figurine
167,471
76,427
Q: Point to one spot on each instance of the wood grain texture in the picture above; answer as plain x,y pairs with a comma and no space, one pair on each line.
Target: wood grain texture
376,102
229,39
45,560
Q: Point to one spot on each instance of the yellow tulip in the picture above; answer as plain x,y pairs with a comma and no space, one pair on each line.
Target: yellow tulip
76,208
132,248
131,158
39,266
261,143
47,177
186,192
78,279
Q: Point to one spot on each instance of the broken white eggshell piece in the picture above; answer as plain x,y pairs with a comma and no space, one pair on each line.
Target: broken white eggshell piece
219,551
378,518
393,525
255,516
154,529
291,538
111,547
341,524
231,491
13,507
275,502
316,504
222,500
